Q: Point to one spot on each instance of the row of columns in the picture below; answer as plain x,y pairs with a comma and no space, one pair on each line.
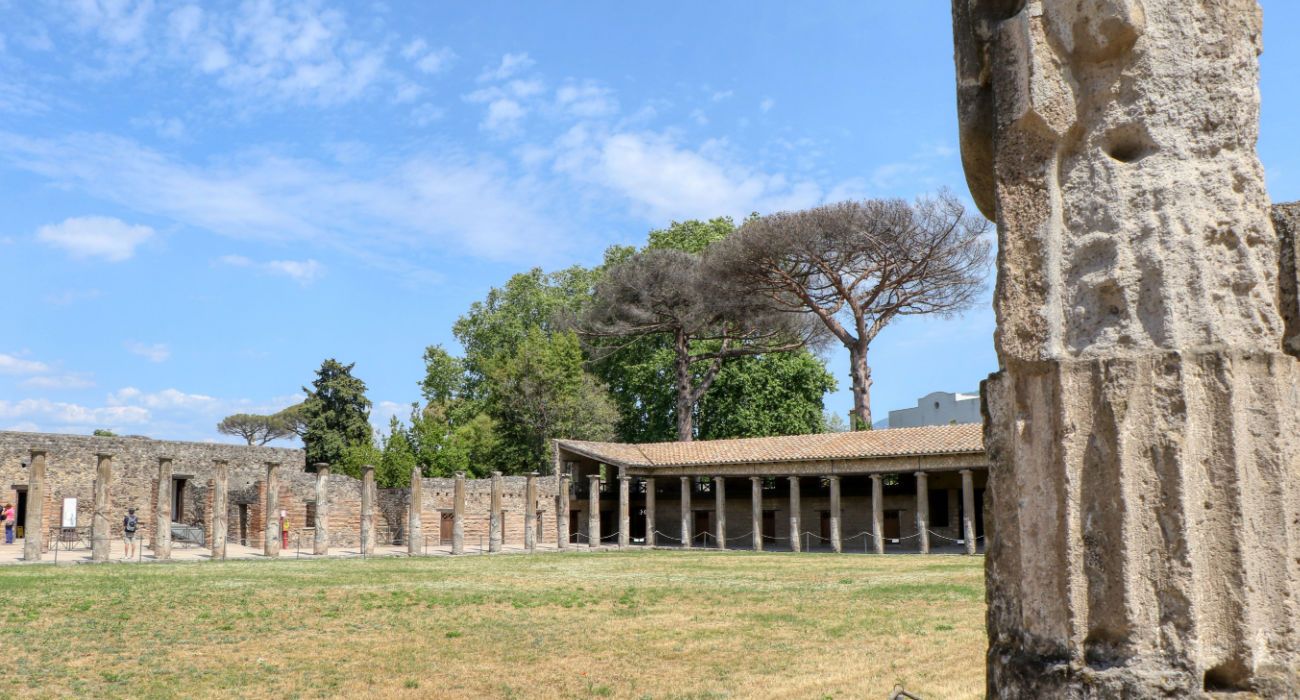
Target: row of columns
101,518
720,518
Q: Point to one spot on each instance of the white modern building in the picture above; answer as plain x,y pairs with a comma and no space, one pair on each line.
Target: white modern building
938,408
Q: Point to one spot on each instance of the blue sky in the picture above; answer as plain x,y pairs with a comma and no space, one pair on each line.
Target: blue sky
201,203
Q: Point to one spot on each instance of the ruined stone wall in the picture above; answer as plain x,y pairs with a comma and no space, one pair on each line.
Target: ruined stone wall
70,473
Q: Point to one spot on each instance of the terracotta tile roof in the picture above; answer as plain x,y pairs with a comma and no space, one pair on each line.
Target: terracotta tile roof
867,444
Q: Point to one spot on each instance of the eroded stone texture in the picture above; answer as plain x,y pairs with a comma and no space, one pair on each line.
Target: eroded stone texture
321,537
34,525
101,517
1286,220
220,487
1143,425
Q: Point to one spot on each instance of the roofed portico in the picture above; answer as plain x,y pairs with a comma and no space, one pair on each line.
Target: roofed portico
858,491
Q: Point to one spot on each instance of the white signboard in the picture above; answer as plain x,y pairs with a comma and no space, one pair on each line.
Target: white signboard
69,512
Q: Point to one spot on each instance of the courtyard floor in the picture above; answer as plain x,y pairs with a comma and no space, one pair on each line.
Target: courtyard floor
636,624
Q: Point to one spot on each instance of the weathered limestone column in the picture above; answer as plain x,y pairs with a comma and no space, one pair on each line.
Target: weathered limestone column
756,510
1286,221
494,515
530,513
720,505
837,545
686,512
593,510
795,522
1143,423
562,512
162,536
968,510
271,535
414,509
458,515
624,508
650,539
220,508
922,513
100,539
321,542
877,513
33,524
367,510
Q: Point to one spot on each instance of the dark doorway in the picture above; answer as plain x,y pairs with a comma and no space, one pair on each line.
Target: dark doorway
243,524
540,527
939,508
825,528
575,525
769,526
608,525
892,524
979,512
178,500
702,532
20,527
636,528
444,528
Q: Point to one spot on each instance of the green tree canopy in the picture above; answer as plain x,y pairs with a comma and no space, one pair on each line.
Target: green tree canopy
254,428
337,417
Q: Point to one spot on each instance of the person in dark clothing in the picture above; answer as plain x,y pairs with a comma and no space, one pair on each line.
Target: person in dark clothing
129,525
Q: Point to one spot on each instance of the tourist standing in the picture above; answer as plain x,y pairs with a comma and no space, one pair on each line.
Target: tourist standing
130,524
10,521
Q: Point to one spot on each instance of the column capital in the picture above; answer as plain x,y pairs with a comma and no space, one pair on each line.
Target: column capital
967,470
222,461
318,466
877,477
271,464
104,455
164,459
719,478
534,474
496,475
460,475
367,468
920,474
832,477
38,453
755,478
793,479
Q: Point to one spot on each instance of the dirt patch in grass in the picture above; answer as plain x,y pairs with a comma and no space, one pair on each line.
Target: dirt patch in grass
619,625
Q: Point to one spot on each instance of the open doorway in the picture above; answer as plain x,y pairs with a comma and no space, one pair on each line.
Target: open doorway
20,529
243,524
179,486
769,526
445,523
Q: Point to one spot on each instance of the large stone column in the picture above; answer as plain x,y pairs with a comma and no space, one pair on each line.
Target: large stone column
877,514
162,536
458,515
593,510
414,509
650,539
562,512
1143,422
34,523
530,513
686,512
220,508
321,542
922,513
968,510
756,510
271,535
495,537
101,517
624,508
796,526
837,545
720,505
368,494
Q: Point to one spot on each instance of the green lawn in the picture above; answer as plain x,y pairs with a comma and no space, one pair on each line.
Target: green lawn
624,625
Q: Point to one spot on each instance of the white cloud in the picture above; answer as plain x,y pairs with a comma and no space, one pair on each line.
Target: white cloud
58,381
766,105
511,64
585,100
48,411
426,60
70,296
721,95
506,104
666,180
117,21
17,365
155,352
301,271
95,236
169,128
381,212
166,399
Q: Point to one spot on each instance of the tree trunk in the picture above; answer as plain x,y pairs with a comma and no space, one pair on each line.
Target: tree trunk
860,372
685,426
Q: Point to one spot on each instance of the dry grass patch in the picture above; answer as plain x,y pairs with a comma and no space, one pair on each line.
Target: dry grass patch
622,625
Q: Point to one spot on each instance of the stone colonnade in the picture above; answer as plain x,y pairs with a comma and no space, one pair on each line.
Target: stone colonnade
967,527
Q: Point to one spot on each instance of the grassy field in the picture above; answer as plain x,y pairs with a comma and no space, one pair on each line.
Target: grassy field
621,625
